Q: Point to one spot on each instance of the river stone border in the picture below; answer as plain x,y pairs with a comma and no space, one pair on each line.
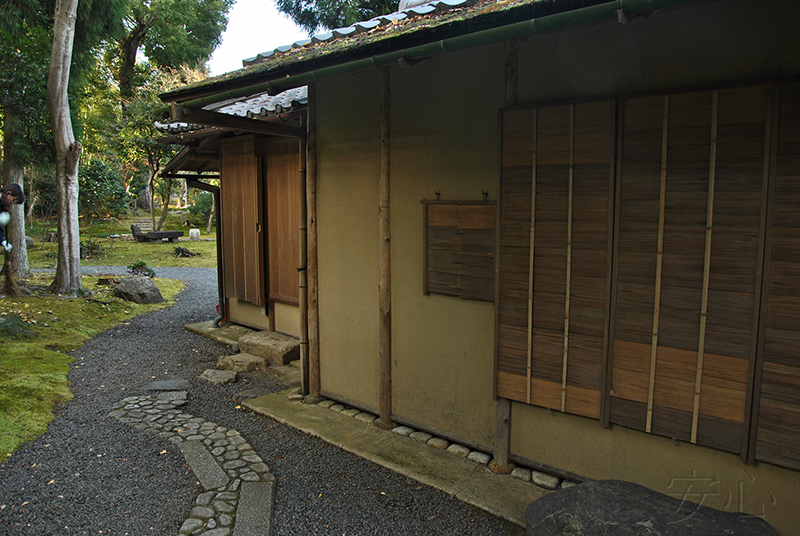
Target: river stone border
536,478
214,513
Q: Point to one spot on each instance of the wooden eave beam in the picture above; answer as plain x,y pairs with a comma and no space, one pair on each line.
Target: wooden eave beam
215,119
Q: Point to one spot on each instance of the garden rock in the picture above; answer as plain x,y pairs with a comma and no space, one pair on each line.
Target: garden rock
52,236
219,377
29,241
619,508
138,290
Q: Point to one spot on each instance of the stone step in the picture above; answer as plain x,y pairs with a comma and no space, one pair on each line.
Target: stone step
144,224
242,362
274,347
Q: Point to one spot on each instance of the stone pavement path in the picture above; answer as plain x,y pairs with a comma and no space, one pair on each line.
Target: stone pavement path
239,489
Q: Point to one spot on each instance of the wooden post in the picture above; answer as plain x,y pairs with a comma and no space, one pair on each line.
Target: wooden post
313,276
502,436
531,265
568,284
385,285
303,271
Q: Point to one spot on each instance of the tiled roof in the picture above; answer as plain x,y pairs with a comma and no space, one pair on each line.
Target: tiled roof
431,8
256,107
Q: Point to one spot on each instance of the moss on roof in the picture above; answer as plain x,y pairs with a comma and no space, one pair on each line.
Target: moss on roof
412,31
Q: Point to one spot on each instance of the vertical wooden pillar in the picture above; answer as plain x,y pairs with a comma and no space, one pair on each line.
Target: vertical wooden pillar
312,314
303,271
385,285
502,435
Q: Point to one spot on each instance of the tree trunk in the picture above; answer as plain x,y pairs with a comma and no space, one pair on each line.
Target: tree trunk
12,172
68,151
184,194
211,214
129,47
165,205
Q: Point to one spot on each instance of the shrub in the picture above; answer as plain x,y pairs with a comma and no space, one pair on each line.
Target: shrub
139,268
101,190
90,249
202,206
15,326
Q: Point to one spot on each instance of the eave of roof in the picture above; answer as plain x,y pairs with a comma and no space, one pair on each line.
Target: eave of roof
409,32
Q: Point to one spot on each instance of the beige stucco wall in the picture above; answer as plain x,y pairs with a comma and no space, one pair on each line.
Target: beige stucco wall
287,319
445,138
247,314
348,155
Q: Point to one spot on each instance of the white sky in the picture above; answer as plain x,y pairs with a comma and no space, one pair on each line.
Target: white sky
253,26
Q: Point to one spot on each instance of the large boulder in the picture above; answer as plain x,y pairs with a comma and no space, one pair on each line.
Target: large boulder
138,290
619,508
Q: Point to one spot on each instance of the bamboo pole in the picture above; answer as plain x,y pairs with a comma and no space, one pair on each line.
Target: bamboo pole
565,354
303,271
659,262
531,260
313,277
712,172
385,286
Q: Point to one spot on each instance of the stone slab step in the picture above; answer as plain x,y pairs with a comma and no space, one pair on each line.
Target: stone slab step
274,347
242,362
203,464
255,513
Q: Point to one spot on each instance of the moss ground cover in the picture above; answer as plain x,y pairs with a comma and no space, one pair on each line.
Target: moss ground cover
117,252
36,333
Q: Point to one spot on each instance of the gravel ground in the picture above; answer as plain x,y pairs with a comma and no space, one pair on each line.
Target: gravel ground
90,474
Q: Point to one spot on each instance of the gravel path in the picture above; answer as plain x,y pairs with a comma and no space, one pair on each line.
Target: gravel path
91,474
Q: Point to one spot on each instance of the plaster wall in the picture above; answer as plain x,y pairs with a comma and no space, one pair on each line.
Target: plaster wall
444,138
287,319
348,172
247,314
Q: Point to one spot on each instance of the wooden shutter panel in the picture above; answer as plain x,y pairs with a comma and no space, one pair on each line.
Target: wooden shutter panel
459,249
553,306
778,402
687,284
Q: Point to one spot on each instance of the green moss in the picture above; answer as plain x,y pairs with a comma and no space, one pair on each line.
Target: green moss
33,373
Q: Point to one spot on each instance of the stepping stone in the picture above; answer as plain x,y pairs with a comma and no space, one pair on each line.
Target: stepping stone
168,385
218,377
205,467
255,510
241,362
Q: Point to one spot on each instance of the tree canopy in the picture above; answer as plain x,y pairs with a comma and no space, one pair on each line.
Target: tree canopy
171,33
314,14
